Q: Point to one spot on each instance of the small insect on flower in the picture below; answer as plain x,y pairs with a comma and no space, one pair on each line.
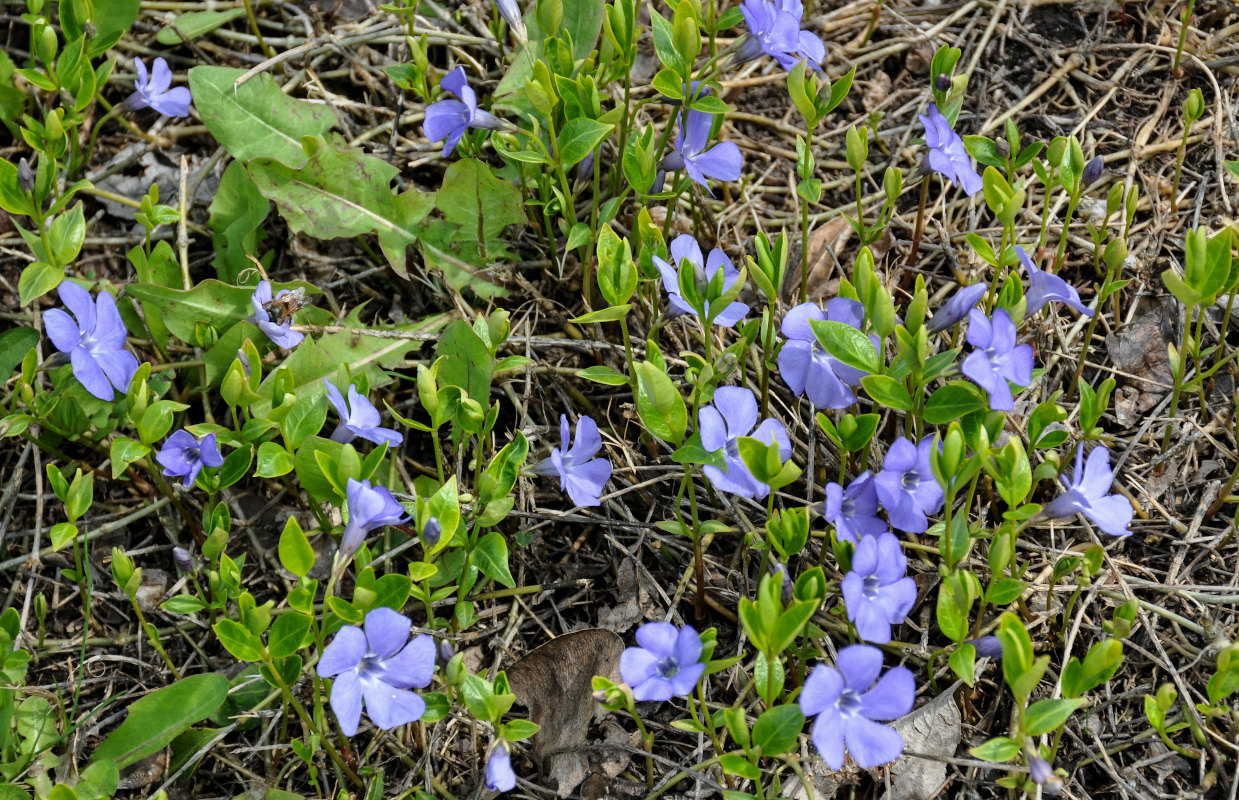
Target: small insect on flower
580,474
500,776
184,455
877,591
375,668
850,703
1088,494
154,90
93,338
666,664
283,305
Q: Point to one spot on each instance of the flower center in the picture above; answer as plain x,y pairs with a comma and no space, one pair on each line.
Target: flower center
848,507
910,481
668,667
870,588
849,702
732,448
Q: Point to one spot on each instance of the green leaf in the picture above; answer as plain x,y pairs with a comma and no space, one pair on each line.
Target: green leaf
183,604
963,663
296,553
953,401
610,314
468,361
238,640
256,118
1099,666
193,24
491,557
580,137
287,634
344,193
156,719
998,749
305,418
61,534
235,217
15,343
109,20
660,405
124,451
887,391
737,764
603,375
273,461
36,280
482,205
777,730
210,304
1047,715
847,344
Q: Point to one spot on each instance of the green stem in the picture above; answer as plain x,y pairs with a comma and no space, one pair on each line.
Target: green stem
153,638
1178,378
920,223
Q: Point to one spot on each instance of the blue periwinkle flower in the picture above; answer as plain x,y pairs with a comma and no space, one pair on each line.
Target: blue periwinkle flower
963,301
1042,774
369,508
986,646
850,703
1044,287
358,418
733,414
1088,494
997,358
774,30
666,664
854,510
685,248
184,455
580,474
94,338
906,485
278,330
878,592
378,667
947,154
153,90
721,162
499,774
448,119
807,368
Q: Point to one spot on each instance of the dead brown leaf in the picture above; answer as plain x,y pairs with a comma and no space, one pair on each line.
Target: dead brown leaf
1139,349
555,682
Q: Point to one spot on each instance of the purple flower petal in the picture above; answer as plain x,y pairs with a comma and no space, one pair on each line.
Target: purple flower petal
344,652
390,707
346,701
386,631
872,744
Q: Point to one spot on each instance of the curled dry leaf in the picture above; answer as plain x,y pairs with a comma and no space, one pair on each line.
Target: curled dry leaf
555,682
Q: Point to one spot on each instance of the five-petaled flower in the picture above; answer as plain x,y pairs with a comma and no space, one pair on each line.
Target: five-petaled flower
733,414
721,162
448,119
580,474
805,365
1045,286
1088,494
499,774
854,510
850,703
184,455
684,248
947,155
774,29
997,358
906,485
369,508
877,592
963,301
667,664
376,667
153,91
94,338
279,330
358,417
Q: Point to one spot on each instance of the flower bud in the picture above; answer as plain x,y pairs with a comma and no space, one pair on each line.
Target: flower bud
1003,148
431,532
455,671
446,652
986,646
25,176
1092,171
942,82
1043,775
184,560
786,589
600,695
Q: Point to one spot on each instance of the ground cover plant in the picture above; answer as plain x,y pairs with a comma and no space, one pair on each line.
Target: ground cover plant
618,399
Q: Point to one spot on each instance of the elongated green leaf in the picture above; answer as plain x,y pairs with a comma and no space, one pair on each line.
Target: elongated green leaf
952,402
579,138
256,118
236,217
1046,715
156,719
193,24
847,344
777,730
344,193
14,344
491,557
